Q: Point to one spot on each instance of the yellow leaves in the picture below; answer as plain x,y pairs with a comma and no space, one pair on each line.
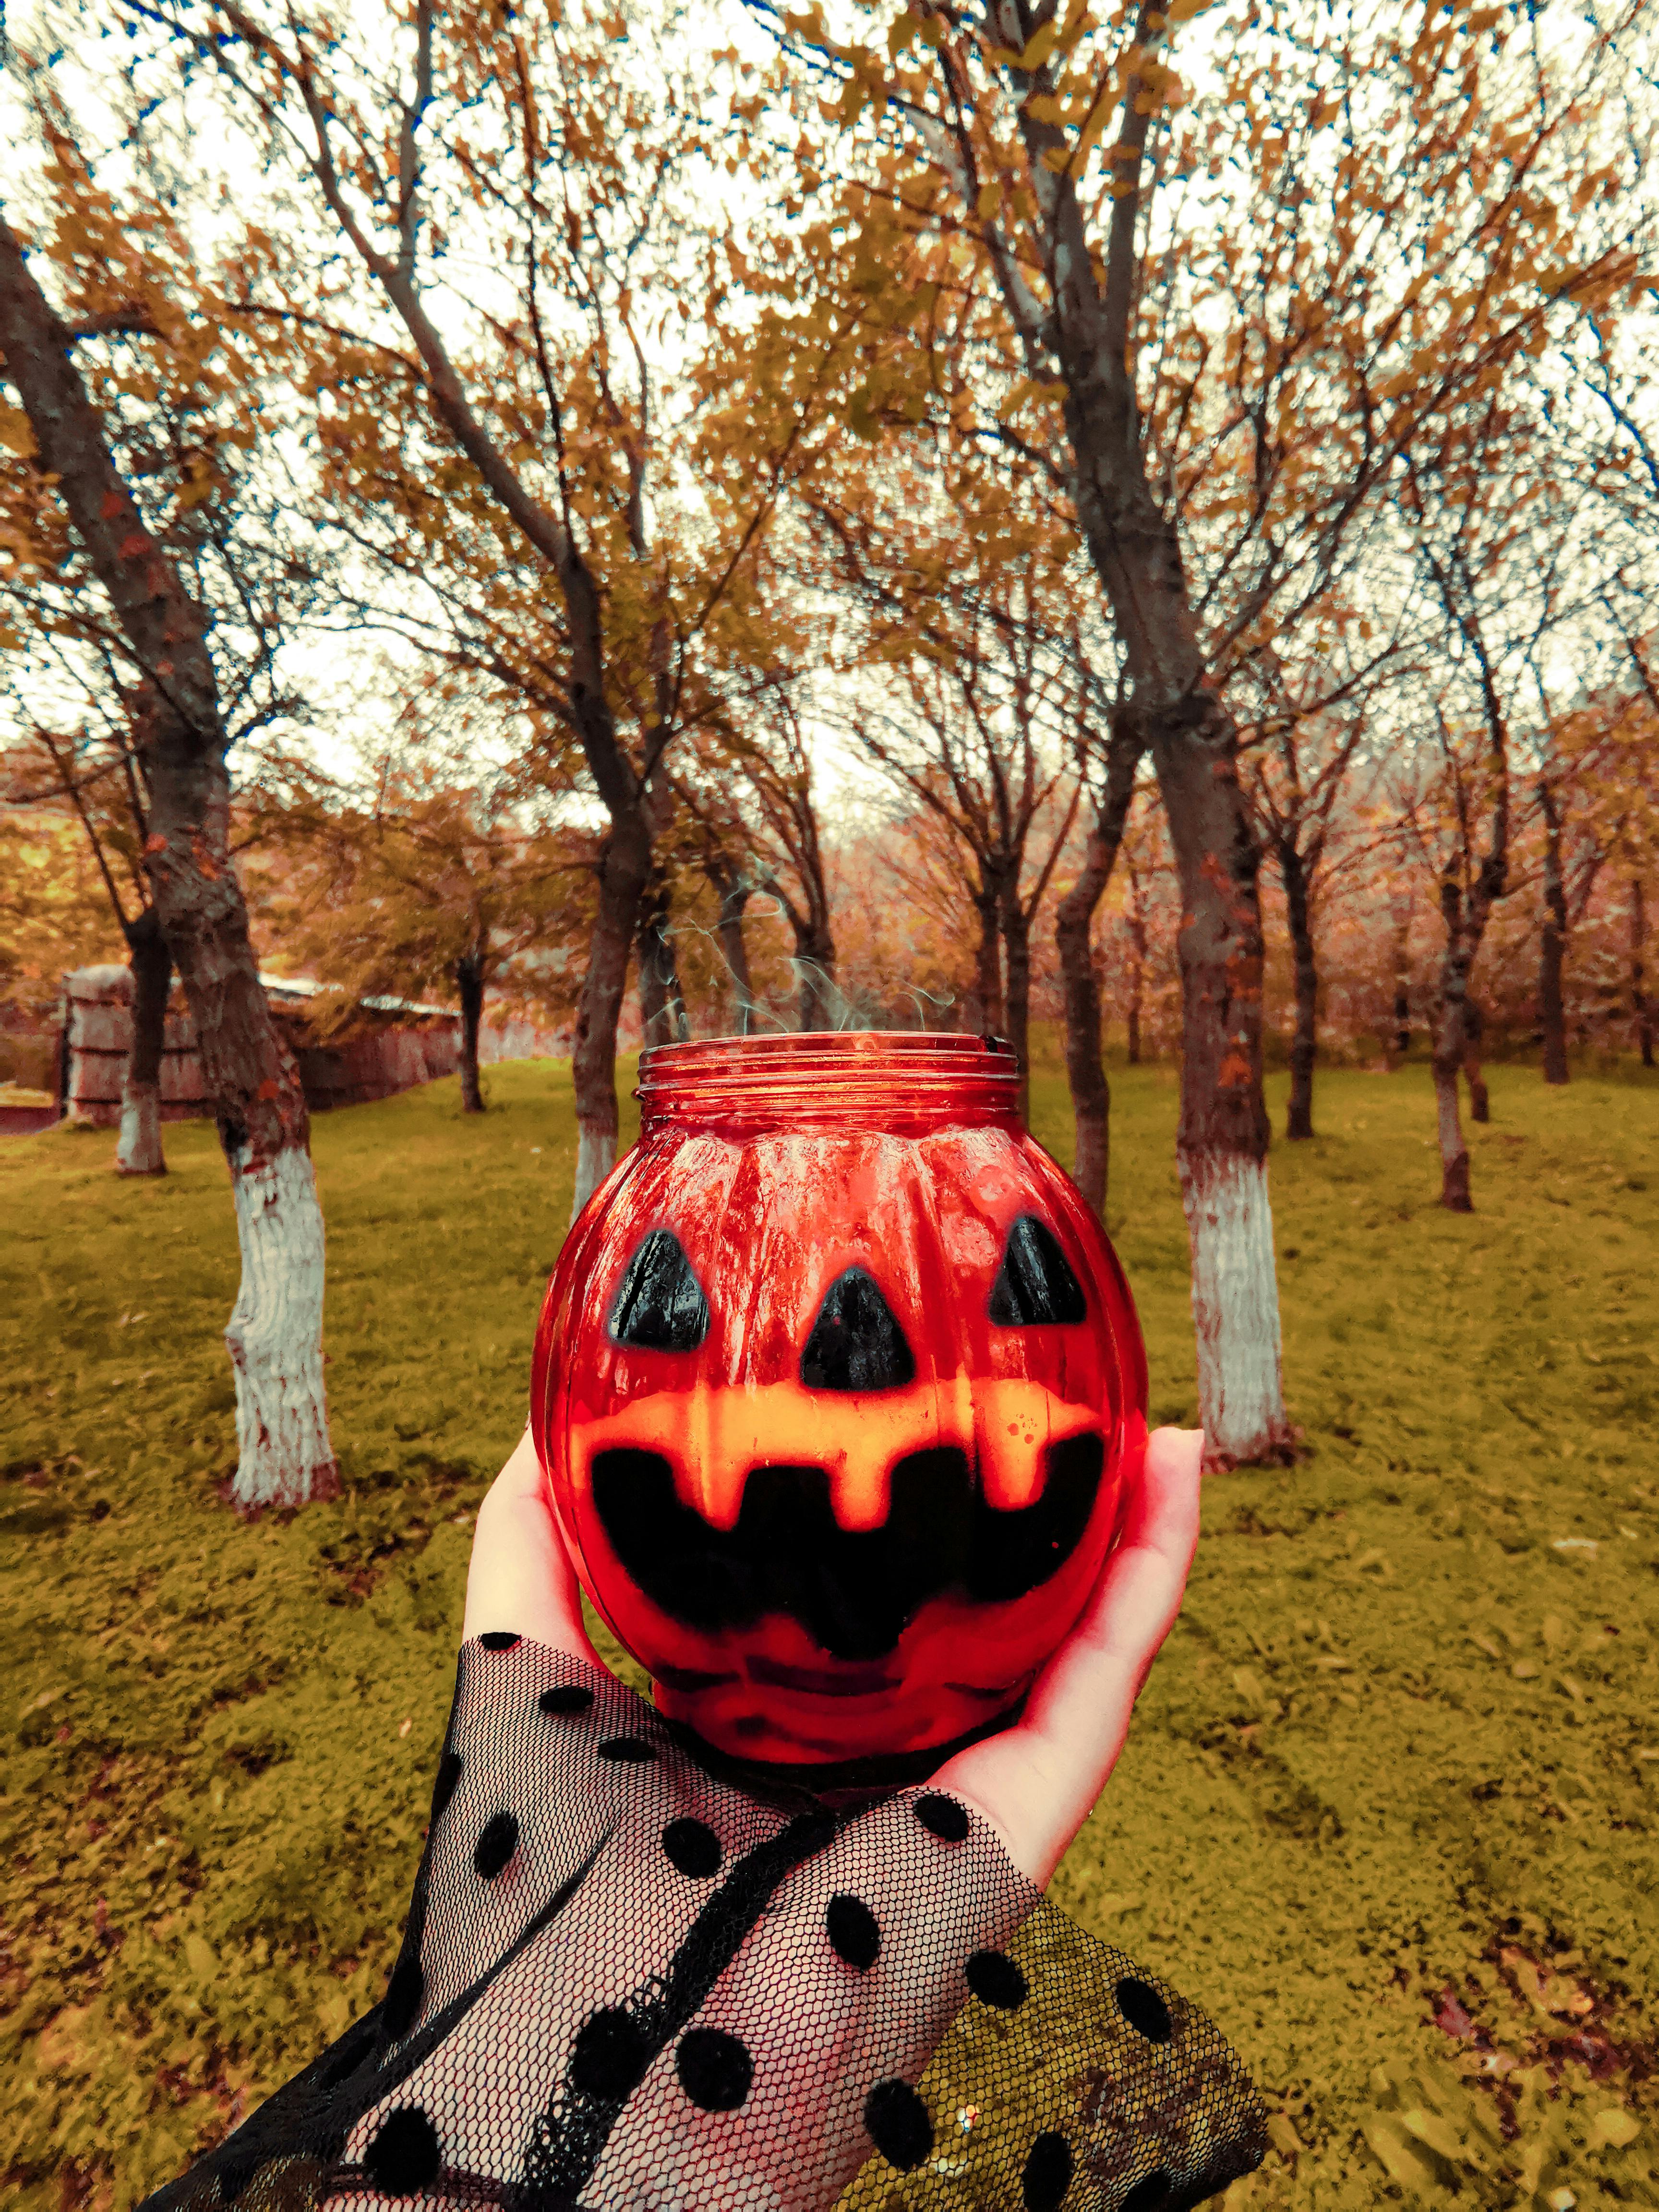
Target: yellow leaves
1037,50
16,433
900,33
1043,108
1616,2127
1281,2133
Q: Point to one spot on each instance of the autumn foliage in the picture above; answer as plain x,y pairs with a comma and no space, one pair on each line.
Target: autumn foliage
1130,528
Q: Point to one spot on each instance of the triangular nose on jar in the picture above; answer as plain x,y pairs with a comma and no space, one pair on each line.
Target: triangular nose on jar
856,1343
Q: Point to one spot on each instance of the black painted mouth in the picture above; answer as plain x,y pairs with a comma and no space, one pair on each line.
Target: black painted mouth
853,1591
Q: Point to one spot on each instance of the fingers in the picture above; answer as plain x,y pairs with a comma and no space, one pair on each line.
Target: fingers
1138,1594
1037,1782
520,1577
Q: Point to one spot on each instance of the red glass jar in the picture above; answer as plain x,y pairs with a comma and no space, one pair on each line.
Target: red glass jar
838,1387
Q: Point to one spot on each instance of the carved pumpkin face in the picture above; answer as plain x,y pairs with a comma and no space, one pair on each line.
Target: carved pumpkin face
836,1422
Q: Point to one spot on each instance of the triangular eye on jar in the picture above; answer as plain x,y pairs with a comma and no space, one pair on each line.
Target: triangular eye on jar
1035,1283
660,1305
856,1343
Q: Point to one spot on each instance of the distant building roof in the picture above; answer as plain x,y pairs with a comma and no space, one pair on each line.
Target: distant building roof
307,987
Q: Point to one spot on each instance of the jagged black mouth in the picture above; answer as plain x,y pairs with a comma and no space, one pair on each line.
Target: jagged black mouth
853,1591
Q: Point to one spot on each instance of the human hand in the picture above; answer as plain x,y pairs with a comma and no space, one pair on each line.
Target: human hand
1035,1783
520,1575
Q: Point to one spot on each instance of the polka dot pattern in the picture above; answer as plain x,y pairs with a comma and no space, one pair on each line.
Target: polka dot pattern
1143,2009
628,1750
1046,2174
610,2055
564,1698
403,1996
654,1987
693,1847
234,2175
496,1846
1152,2190
449,1773
714,2069
405,2155
943,1817
897,2123
853,1931
499,1639
997,1979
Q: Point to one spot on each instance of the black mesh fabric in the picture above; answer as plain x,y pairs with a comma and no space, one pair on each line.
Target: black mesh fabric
629,1987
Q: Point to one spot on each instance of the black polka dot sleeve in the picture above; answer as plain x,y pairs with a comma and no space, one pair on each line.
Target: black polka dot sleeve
626,1986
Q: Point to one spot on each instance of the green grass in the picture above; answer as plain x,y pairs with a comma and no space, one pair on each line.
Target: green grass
1394,1748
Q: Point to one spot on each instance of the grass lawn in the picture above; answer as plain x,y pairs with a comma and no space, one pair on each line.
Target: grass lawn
1390,1807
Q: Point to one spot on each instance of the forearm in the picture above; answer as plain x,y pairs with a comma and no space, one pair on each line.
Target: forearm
520,1578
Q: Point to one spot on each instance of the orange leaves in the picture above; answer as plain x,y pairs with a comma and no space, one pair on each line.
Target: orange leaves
16,435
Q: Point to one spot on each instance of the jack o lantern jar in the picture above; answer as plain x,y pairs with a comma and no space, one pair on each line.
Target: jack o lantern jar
838,1389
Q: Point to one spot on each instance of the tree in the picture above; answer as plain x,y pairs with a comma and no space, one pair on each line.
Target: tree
157,634
101,787
721,851
1575,854
1297,776
54,910
1074,915
1503,537
180,433
523,439
430,879
779,773
975,687
1222,384
977,762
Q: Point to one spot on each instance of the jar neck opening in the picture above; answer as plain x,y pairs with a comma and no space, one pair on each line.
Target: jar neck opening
826,1079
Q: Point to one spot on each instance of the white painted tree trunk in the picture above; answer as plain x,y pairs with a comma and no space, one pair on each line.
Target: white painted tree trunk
1240,1399
596,1155
138,1148
276,1338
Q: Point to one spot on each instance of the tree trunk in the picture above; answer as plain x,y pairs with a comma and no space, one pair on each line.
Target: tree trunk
138,1151
1454,1152
249,1076
1016,939
469,983
1453,1046
1135,922
987,961
1402,1010
1474,1027
735,893
1304,1039
1641,1007
815,972
624,871
1402,980
662,1003
1085,1065
1222,1146
1551,944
